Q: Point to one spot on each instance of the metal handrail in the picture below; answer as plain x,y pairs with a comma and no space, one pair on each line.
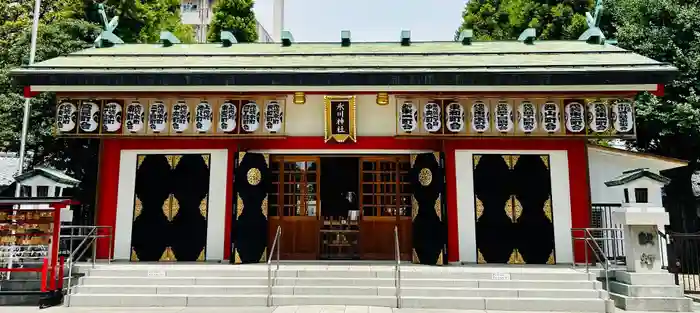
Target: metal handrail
274,250
590,240
76,254
397,270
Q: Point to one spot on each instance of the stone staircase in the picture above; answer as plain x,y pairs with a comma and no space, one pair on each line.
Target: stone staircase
471,288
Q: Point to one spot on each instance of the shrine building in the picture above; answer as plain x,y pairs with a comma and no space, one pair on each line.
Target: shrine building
474,151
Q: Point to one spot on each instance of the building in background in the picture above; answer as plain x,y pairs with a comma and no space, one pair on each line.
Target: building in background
199,13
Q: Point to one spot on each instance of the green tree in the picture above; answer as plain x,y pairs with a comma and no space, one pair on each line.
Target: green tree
236,16
506,19
666,31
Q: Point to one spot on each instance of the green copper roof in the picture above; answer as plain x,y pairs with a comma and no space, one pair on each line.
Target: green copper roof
632,175
421,56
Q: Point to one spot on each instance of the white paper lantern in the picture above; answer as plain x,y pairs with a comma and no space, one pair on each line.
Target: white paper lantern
599,120
157,117
432,117
503,117
480,117
574,114
250,117
408,117
111,117
274,116
527,117
623,116
66,116
550,117
134,117
180,118
454,117
89,117
203,117
227,117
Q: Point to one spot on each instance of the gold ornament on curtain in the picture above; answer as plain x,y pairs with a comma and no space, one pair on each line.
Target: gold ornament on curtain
206,157
440,260
201,256
517,208
203,206
168,255
414,207
174,208
438,208
253,176
509,209
416,260
545,160
514,160
263,206
134,256
508,160
548,208
138,207
479,208
140,160
166,208
425,177
476,158
413,159
263,257
236,257
480,257
239,206
550,260
516,258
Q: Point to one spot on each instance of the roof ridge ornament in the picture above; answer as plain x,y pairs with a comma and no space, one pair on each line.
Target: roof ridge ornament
107,38
528,36
405,37
465,36
227,39
168,39
593,34
345,38
287,38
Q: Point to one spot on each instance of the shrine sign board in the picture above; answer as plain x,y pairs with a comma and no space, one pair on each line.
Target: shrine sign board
340,118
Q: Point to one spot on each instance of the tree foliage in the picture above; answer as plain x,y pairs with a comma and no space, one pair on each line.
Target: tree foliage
236,16
666,31
506,19
66,26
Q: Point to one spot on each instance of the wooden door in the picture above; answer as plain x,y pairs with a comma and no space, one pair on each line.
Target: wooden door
385,203
296,206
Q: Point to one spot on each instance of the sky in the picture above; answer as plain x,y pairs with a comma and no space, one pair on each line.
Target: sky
367,20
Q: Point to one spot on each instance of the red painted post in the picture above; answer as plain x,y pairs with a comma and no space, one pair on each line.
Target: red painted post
44,274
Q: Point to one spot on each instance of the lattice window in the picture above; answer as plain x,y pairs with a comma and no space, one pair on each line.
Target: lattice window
385,188
300,188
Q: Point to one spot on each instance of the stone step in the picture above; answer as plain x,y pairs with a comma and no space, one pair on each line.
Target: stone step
341,291
346,273
673,291
333,281
476,303
655,304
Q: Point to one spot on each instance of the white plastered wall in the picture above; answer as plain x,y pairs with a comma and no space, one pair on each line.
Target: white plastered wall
561,202
216,219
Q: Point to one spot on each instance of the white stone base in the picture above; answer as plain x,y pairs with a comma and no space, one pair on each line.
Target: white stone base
648,292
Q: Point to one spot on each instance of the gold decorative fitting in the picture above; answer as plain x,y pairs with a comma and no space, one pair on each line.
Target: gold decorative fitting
236,257
166,207
174,207
239,206
140,160
414,207
168,255
203,206
545,160
241,155
263,207
514,160
138,207
382,98
508,160
550,260
176,160
516,258
517,208
425,176
299,98
263,257
266,156
206,157
201,256
413,159
436,154
134,256
440,260
480,257
253,176
548,208
479,208
476,158
438,208
416,260
509,209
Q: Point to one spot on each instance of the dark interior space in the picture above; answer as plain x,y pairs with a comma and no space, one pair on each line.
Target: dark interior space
340,184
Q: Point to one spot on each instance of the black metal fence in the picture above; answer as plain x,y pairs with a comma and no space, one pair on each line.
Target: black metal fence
609,234
684,260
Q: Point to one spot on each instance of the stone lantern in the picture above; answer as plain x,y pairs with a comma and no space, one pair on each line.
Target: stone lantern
644,285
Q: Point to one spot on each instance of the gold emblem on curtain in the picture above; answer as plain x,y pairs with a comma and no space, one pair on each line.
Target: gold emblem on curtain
438,207
415,257
437,156
236,257
516,258
517,208
253,176
508,160
201,256
514,160
479,208
550,260
166,207
413,159
440,260
263,257
266,156
174,208
239,206
203,206
476,159
545,160
414,207
168,255
240,156
140,160
263,207
425,177
206,157
173,160
134,256
480,257
548,208
138,207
